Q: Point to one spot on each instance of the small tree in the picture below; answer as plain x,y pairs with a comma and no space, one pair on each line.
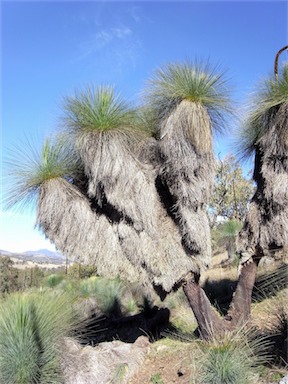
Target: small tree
227,234
8,275
232,192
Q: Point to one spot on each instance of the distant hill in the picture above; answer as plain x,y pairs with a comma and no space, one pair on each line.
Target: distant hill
40,256
45,252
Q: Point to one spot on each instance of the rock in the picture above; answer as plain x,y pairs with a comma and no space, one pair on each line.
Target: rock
266,261
104,363
284,380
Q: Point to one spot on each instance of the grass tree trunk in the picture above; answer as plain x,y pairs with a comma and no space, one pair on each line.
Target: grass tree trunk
208,319
209,322
240,307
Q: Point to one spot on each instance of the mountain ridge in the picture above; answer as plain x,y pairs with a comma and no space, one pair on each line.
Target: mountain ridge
37,256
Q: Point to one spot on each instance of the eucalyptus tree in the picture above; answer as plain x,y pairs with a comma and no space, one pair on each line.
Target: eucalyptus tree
231,193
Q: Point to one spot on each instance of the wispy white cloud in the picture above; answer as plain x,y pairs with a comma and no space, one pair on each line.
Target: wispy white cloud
117,45
121,33
105,36
134,13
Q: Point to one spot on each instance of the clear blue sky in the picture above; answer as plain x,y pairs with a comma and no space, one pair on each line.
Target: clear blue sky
49,49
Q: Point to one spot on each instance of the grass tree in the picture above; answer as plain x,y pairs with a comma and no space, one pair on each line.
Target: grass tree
265,135
111,194
189,103
108,193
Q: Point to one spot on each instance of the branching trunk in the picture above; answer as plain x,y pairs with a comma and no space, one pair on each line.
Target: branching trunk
240,307
209,321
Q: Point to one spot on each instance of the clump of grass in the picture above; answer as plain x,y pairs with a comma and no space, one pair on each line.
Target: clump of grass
130,305
270,94
31,329
97,109
269,284
108,294
231,359
53,280
30,167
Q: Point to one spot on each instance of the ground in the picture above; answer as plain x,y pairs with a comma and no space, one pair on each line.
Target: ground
165,363
171,362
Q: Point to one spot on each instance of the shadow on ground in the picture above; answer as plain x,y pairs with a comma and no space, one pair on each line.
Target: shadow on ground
151,322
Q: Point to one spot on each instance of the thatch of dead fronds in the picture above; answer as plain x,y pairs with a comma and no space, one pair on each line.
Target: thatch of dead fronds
65,216
266,224
188,171
190,102
123,190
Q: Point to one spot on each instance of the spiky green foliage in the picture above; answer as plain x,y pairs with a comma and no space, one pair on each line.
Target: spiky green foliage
108,294
29,168
270,95
31,329
231,359
229,228
198,83
97,110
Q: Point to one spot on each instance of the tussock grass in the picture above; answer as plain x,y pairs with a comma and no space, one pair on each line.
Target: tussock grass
106,294
270,318
54,280
31,329
231,359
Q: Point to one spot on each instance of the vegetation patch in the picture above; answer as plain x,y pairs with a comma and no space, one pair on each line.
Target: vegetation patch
31,329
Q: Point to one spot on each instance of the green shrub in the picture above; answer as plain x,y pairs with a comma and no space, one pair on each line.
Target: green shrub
8,276
231,359
53,280
108,294
31,329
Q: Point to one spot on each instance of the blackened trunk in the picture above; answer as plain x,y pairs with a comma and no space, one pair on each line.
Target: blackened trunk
209,322
240,307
